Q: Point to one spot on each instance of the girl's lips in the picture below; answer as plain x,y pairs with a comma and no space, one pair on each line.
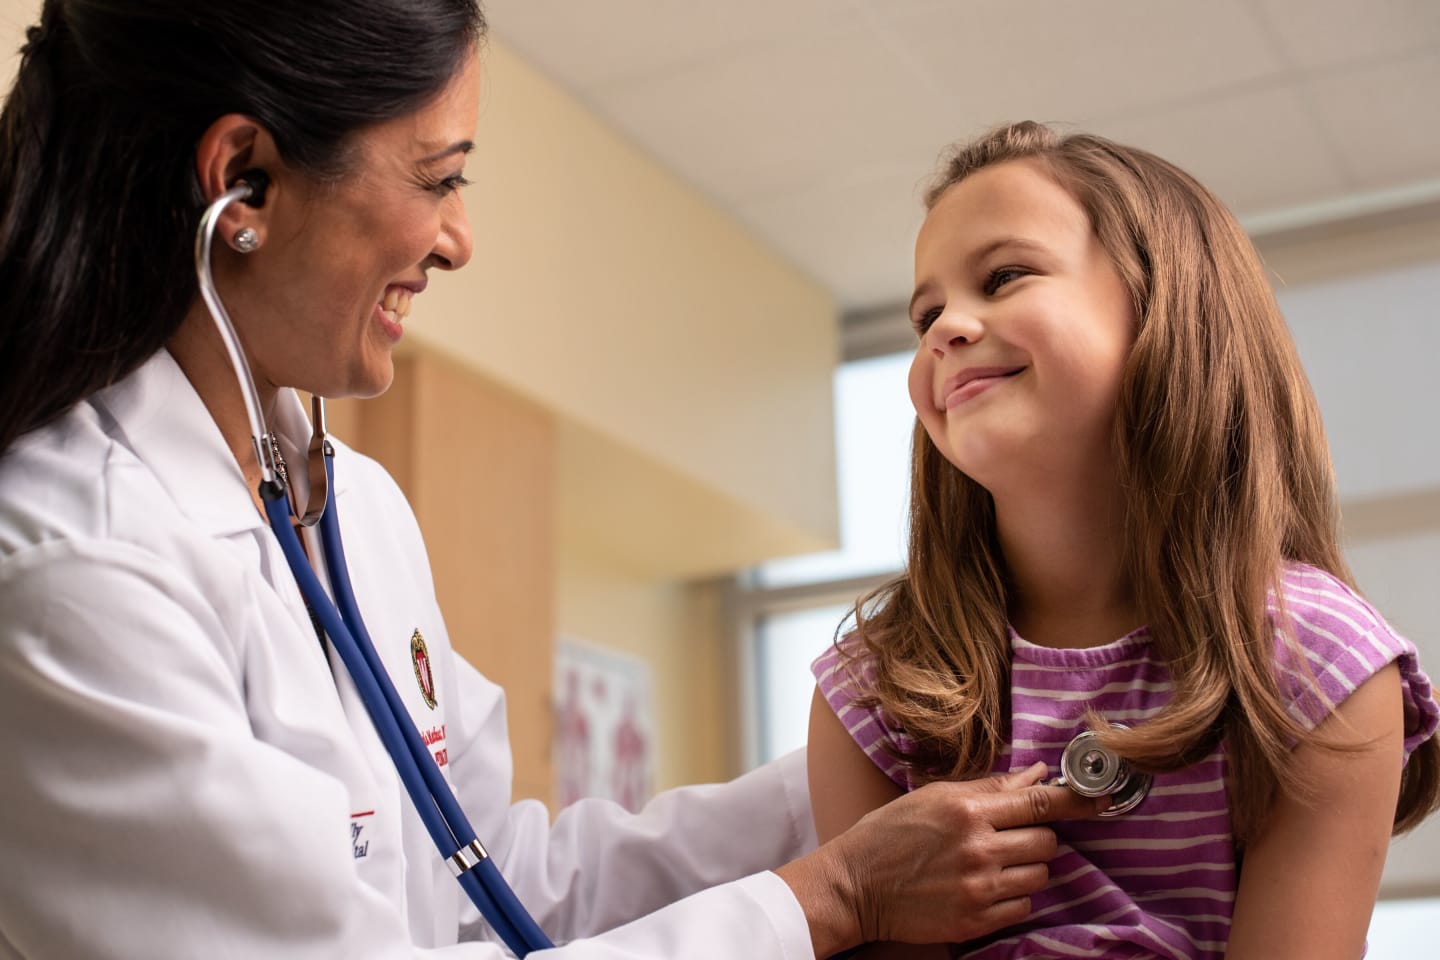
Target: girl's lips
972,385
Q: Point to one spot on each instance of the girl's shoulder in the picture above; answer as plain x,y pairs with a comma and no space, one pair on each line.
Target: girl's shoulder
1320,617
1313,599
845,671
845,675
1329,640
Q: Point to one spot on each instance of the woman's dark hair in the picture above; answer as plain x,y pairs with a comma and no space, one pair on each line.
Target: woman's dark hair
99,199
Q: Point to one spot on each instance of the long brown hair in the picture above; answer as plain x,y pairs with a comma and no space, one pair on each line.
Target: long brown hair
1226,476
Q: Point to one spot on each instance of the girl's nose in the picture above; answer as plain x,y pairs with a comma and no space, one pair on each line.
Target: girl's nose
955,327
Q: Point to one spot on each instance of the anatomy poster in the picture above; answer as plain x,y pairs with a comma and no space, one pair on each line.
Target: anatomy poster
604,725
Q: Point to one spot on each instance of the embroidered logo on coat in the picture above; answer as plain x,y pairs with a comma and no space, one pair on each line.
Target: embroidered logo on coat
420,657
359,842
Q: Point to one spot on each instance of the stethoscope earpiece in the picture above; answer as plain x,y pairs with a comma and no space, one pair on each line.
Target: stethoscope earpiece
1094,770
258,181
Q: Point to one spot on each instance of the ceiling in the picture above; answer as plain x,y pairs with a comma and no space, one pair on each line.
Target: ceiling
816,122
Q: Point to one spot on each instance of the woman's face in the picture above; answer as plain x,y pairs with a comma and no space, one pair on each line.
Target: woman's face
323,301
1024,329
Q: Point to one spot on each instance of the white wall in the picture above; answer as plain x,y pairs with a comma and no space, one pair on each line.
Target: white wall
1370,346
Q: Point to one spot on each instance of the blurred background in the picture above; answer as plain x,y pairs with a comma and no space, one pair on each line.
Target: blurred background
657,432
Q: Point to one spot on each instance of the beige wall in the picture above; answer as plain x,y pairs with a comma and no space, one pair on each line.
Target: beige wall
481,466
618,298
688,370
477,464
676,628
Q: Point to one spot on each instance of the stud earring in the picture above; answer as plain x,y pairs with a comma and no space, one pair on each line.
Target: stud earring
246,240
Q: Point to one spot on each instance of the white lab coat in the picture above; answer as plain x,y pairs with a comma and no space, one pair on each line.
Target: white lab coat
183,774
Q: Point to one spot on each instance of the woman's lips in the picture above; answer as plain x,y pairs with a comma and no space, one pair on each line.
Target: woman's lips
390,324
392,311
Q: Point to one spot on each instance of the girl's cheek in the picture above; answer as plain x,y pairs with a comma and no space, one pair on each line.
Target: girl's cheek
920,388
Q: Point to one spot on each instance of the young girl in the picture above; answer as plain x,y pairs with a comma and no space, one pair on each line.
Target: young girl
1123,512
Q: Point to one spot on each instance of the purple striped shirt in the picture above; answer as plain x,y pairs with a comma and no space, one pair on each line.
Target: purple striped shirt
1159,881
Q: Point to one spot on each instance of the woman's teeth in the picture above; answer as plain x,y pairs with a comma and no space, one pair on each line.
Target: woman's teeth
397,303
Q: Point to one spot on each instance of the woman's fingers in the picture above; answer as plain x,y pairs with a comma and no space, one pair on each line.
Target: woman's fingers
948,862
1019,882
1021,845
1018,807
961,859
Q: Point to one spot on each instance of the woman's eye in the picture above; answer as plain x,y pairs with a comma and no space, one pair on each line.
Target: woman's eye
924,321
1001,276
450,184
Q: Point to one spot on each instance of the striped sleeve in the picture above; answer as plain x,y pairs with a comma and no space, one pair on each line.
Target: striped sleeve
843,678
1345,642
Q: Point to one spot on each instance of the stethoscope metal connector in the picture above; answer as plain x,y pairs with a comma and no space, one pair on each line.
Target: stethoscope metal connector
1093,770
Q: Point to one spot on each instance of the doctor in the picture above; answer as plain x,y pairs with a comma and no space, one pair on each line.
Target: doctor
184,768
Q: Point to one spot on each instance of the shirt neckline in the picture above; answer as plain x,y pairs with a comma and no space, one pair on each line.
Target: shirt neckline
1023,651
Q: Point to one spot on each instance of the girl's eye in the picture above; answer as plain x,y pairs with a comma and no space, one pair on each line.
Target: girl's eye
1001,276
923,322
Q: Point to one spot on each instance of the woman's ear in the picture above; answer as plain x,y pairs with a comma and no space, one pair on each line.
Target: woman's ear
231,146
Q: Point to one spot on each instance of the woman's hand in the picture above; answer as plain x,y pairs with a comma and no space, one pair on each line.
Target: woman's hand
948,862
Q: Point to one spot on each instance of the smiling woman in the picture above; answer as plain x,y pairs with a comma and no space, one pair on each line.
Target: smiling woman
324,289
126,181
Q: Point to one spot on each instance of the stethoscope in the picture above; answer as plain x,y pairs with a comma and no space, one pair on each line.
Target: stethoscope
341,621
1092,769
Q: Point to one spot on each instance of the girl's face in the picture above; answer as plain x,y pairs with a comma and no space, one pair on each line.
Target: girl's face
1024,325
322,303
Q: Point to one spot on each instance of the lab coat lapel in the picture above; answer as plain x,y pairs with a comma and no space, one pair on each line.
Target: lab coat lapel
165,423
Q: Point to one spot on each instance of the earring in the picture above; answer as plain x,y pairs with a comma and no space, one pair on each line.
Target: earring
246,240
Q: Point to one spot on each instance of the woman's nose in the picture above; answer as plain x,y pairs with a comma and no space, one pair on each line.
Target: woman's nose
454,245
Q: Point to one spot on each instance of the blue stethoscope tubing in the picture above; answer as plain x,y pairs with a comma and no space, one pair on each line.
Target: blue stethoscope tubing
433,799
431,795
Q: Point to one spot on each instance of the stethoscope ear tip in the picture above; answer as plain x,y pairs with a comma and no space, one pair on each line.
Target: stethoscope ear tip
258,181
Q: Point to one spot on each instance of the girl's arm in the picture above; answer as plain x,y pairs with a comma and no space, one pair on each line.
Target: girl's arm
1310,878
844,783
844,786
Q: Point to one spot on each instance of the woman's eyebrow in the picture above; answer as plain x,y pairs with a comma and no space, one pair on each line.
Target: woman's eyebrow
459,146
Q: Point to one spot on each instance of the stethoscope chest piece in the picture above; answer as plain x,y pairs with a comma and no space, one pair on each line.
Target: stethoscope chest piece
1093,770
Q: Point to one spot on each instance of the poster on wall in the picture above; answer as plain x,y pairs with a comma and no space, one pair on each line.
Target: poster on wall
604,725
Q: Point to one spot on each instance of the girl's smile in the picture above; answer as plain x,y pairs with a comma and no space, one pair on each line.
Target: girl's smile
1025,327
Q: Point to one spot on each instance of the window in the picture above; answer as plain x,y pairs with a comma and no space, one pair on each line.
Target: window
790,609
1403,929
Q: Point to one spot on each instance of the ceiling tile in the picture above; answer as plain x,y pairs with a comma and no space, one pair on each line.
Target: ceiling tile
780,117
1057,60
1382,120
1259,151
1324,33
586,46
856,238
